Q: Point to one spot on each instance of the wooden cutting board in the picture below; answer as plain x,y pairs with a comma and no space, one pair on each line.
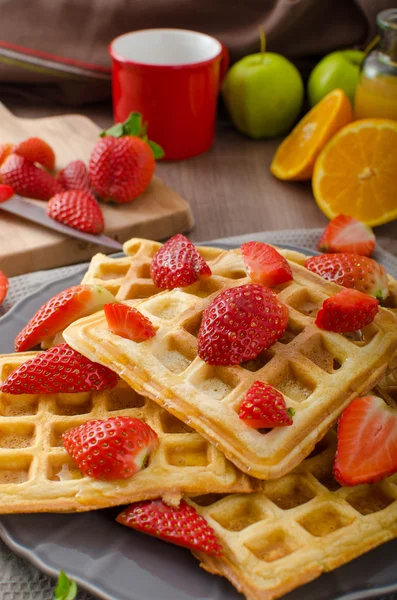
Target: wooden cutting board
25,247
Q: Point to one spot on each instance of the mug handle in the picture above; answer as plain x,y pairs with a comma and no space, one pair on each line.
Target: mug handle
225,61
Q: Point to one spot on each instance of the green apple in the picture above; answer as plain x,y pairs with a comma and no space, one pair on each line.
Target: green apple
339,69
263,94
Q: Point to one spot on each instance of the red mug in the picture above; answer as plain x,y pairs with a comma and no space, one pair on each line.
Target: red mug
172,77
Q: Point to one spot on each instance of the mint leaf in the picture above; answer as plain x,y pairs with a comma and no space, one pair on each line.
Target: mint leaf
66,589
156,149
133,125
115,131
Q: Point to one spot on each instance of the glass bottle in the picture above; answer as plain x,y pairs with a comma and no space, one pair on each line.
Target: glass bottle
376,93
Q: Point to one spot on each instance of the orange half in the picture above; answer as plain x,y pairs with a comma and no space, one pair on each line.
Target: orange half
295,157
356,172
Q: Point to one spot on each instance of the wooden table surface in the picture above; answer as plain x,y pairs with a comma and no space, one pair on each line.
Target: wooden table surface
230,188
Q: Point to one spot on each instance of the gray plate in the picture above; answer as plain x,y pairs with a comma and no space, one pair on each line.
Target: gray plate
115,563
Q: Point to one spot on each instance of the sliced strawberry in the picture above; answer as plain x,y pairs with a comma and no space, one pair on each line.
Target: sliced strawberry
128,322
3,286
59,370
75,177
367,442
345,234
6,192
5,150
36,150
60,311
347,311
77,209
115,448
239,323
352,271
264,407
182,526
265,265
27,179
178,264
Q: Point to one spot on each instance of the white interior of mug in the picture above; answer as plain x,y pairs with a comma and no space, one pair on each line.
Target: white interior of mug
165,47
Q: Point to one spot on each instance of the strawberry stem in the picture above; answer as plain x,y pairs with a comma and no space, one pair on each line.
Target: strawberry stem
134,126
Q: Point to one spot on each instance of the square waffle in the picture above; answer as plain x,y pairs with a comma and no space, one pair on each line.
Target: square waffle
37,474
128,277
319,372
298,527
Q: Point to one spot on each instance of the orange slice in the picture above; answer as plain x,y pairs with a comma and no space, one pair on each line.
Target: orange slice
356,172
295,157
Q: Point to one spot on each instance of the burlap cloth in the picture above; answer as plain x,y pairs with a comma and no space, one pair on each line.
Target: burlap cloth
18,578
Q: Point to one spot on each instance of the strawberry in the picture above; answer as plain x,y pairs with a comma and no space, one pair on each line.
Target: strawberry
60,311
5,150
128,322
3,286
77,209
121,168
265,265
36,150
115,448
345,234
27,179
352,271
367,442
75,177
59,370
264,407
239,324
181,525
6,192
178,264
347,311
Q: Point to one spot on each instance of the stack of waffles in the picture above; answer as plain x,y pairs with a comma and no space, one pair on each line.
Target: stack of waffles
270,496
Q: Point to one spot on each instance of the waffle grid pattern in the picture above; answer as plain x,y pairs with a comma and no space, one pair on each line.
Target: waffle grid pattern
318,372
37,474
299,526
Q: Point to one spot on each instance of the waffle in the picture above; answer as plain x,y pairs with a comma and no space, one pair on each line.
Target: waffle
319,372
299,527
37,474
128,277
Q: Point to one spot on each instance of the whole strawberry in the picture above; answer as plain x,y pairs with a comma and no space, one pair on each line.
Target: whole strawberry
180,525
28,180
122,163
75,177
239,324
178,264
59,370
115,448
352,271
77,209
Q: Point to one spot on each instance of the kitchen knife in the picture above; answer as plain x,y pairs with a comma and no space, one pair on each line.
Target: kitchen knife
33,212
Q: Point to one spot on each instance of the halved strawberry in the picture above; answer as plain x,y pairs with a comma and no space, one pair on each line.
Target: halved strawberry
36,150
27,179
239,323
5,150
3,286
347,311
345,234
59,370
6,192
128,322
60,311
78,209
178,264
115,448
265,265
75,177
367,442
352,271
264,407
182,526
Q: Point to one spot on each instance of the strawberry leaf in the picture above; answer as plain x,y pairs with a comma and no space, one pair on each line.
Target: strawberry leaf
115,131
156,149
133,125
66,589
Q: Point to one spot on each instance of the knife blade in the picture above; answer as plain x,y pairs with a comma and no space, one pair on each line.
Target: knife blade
32,212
